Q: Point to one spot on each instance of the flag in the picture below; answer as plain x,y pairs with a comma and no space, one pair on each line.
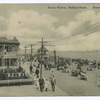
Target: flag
3,52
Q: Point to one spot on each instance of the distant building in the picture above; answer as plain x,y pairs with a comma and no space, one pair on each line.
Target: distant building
44,54
8,52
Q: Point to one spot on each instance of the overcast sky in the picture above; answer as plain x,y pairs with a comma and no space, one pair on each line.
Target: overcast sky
30,22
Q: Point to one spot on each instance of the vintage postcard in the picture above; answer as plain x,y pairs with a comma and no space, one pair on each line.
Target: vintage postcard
50,49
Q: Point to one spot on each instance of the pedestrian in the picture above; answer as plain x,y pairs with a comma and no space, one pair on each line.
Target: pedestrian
8,69
23,61
31,69
37,72
49,66
47,84
53,83
41,83
45,66
36,81
38,65
52,74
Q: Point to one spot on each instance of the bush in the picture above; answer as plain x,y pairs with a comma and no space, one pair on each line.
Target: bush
19,69
2,76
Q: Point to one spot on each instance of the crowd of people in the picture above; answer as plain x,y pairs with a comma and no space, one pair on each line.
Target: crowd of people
40,81
45,84
61,64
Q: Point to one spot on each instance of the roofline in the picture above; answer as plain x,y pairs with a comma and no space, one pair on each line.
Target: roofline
42,50
9,43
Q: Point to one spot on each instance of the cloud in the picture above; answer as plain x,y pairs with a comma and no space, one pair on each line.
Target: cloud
2,18
77,40
29,26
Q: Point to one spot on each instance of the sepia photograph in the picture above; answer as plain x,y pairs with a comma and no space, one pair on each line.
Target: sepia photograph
49,49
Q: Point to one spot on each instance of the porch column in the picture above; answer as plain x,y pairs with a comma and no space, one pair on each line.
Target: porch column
6,61
9,62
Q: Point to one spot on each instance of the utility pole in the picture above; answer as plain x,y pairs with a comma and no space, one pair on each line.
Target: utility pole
25,50
31,52
70,54
41,53
97,66
55,57
58,59
3,54
2,30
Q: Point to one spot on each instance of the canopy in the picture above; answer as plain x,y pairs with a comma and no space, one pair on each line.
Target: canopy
9,56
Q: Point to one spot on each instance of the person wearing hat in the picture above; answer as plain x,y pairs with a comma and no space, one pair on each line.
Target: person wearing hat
30,69
52,74
53,83
41,83
37,72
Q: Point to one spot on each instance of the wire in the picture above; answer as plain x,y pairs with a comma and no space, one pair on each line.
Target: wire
79,35
93,27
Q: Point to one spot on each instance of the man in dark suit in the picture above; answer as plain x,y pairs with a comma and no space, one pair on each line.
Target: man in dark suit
37,72
41,83
31,69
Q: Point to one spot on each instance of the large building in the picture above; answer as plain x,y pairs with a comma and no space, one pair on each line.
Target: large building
8,52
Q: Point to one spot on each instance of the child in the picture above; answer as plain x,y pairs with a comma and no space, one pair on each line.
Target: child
36,81
47,84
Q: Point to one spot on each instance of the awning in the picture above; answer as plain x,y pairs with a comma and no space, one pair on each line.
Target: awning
9,56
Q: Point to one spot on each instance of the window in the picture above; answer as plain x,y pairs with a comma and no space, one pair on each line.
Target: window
7,62
44,52
13,48
8,48
13,62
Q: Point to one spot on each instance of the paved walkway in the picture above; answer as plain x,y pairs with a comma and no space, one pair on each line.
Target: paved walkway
29,90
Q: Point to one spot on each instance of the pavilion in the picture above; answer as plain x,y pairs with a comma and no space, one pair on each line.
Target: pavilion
8,52
44,54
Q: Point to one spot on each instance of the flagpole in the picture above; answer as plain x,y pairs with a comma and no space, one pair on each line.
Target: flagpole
2,30
5,58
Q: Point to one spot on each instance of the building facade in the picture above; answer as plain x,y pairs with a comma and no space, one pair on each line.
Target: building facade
8,52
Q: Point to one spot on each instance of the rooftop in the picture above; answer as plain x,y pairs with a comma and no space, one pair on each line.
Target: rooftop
5,40
44,49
